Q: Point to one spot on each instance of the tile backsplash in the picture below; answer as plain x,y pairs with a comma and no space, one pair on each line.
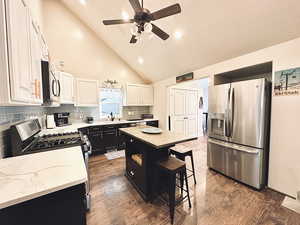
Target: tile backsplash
76,113
135,112
13,114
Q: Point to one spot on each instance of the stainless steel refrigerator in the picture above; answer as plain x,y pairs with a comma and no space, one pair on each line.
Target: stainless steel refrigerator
238,130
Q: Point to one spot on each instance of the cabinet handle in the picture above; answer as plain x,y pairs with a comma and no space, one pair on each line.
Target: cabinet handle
131,140
131,173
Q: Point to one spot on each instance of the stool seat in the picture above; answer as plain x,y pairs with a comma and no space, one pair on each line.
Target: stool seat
171,164
181,152
181,149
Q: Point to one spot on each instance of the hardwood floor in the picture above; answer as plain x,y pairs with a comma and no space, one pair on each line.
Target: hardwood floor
216,200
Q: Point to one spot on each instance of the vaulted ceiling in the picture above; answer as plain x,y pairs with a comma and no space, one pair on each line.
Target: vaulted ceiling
212,31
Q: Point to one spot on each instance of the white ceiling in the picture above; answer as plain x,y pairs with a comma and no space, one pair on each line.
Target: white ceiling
213,31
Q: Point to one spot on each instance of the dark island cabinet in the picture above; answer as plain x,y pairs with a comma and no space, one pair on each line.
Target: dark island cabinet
108,137
64,207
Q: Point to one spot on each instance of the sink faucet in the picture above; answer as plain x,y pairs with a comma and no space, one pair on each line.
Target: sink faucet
112,117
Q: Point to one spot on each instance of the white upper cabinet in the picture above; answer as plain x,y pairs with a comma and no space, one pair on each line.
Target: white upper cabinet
87,93
67,88
36,70
21,56
18,24
147,95
139,95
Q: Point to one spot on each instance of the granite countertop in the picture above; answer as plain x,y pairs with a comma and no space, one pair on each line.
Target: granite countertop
165,139
27,177
75,126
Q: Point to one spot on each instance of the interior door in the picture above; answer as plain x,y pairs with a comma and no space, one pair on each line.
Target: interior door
192,109
177,110
247,112
184,111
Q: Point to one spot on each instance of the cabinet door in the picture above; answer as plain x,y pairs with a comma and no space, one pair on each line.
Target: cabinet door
110,139
18,24
147,95
96,139
36,56
133,95
67,88
87,92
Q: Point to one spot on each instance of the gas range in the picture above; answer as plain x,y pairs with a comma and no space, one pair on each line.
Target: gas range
25,139
52,141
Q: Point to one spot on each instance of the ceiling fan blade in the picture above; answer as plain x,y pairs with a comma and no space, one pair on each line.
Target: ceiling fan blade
136,6
168,11
115,22
133,39
159,32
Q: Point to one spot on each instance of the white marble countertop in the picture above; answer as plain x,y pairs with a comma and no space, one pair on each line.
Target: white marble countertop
75,126
27,177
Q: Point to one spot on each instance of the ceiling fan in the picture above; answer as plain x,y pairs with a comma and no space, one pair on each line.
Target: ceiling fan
142,20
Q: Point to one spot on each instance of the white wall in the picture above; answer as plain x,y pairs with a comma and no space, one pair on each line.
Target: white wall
83,53
284,172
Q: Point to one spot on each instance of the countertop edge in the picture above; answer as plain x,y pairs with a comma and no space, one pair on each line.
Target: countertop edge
42,193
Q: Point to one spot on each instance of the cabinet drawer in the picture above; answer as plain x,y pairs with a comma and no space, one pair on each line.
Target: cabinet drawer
109,128
136,174
95,129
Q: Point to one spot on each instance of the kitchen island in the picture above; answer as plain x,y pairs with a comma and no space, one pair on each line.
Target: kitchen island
142,152
43,188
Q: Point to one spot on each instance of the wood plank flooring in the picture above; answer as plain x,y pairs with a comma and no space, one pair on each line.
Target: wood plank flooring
216,200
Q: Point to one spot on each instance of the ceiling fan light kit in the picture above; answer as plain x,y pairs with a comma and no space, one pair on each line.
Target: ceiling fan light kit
143,20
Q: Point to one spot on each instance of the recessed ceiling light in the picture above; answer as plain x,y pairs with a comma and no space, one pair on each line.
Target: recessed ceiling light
125,15
140,60
178,35
82,2
78,34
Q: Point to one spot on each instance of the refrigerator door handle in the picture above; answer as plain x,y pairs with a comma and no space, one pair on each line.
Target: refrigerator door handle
240,148
226,119
231,111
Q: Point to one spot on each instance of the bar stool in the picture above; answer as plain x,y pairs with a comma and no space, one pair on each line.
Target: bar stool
170,168
181,152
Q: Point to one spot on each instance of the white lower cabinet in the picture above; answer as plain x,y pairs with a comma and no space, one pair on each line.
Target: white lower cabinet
139,95
67,88
87,93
